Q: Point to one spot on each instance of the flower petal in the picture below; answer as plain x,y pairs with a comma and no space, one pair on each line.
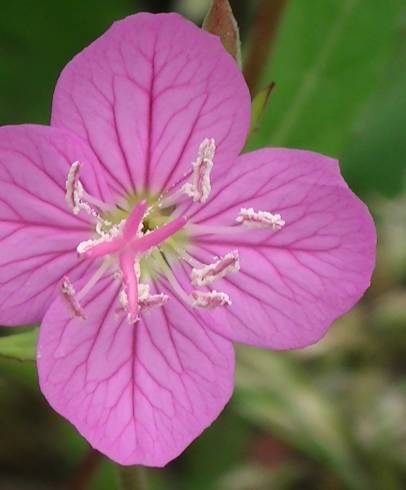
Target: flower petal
141,393
296,281
147,93
38,233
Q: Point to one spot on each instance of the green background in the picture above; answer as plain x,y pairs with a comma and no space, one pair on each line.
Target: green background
331,416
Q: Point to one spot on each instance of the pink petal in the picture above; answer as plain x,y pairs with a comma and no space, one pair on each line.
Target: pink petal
141,393
38,233
296,281
147,93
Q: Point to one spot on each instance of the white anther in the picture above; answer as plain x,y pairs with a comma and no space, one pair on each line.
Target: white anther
123,299
209,300
143,291
74,188
146,301
69,295
260,219
78,199
224,265
200,187
153,300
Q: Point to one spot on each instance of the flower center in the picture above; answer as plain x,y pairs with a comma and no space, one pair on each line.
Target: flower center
143,238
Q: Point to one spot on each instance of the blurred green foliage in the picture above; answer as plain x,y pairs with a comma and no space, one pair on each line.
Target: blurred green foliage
331,65
20,347
330,416
378,138
37,40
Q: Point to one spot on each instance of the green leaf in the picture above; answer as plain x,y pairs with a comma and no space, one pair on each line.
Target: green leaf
31,59
20,346
327,61
259,107
220,21
374,161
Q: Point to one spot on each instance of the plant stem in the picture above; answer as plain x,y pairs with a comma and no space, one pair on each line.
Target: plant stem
263,32
132,478
85,471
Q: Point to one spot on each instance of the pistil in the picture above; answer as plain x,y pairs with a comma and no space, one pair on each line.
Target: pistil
133,222
128,242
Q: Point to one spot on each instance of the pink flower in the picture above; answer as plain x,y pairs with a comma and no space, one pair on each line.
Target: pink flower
133,230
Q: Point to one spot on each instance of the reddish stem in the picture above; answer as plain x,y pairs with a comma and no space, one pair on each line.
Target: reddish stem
85,472
263,32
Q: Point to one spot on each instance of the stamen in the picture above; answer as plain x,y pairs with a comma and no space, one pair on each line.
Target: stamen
93,200
148,301
69,294
154,300
210,300
196,229
260,219
76,196
123,299
200,187
171,199
172,196
94,279
221,267
74,188
182,254
130,285
167,271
